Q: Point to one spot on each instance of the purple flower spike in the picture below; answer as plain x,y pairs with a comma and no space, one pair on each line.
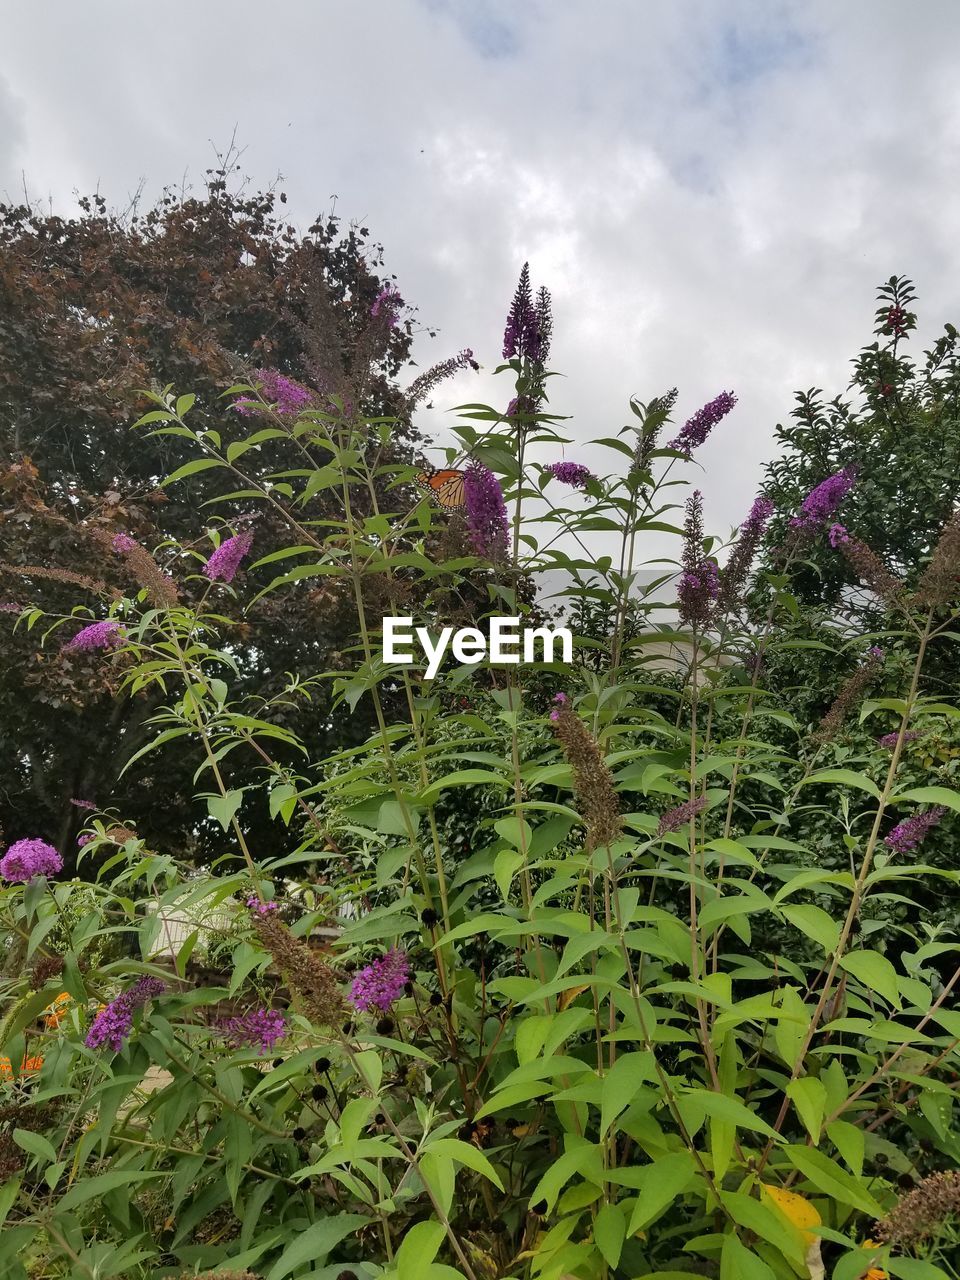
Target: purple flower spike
889,740
571,473
838,535
27,859
225,561
99,635
287,396
257,1028
674,819
486,512
696,429
262,908
387,303
123,543
821,502
380,985
113,1024
561,701
908,834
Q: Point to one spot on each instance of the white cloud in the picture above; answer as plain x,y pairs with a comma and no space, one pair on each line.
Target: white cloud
712,192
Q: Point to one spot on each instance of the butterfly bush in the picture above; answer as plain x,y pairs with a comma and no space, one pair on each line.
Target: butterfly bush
27,859
225,561
696,429
381,984
262,1029
113,1024
821,503
906,835
486,512
99,635
572,473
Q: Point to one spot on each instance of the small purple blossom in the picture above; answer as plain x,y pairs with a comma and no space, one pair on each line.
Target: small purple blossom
908,834
889,740
388,303
572,473
122,543
380,985
83,804
757,517
486,512
29,858
225,561
10,606
676,818
113,1024
876,653
261,908
838,535
85,838
696,429
99,635
561,700
821,502
287,397
256,1028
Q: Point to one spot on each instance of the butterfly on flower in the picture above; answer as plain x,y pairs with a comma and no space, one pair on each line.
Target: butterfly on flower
446,486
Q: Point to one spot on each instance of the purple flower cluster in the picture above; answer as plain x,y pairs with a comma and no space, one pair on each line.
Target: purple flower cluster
890,739
85,838
699,584
29,858
561,700
674,819
757,517
380,985
257,1028
122,543
225,561
486,512
287,396
113,1024
83,804
838,535
99,635
10,606
572,473
387,303
529,325
696,429
821,502
907,835
261,908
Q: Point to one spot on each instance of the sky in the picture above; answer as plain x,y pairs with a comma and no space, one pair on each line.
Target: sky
711,189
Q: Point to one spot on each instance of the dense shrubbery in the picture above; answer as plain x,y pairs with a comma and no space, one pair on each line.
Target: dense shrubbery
570,970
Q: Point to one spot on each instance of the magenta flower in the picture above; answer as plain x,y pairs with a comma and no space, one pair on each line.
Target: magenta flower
257,1028
380,985
27,859
696,429
838,535
287,397
821,502
99,635
10,606
123,543
388,303
676,818
908,834
890,739
85,838
225,561
486,512
561,700
83,804
113,1024
261,908
571,473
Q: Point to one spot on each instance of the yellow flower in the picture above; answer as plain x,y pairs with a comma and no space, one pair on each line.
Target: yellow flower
874,1273
53,1014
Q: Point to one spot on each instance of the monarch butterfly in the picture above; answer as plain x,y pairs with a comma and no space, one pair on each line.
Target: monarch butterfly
445,486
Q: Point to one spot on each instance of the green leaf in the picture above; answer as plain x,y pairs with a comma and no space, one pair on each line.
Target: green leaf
729,1109
846,778
876,972
465,1153
827,1176
849,1141
36,1144
96,1188
609,1232
224,808
505,866
810,1099
915,1269
664,1180
190,469
313,1245
418,1250
815,923
621,1085
759,1218
8,1194
737,1262
949,798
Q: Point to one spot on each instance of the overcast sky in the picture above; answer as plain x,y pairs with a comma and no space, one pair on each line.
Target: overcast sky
711,189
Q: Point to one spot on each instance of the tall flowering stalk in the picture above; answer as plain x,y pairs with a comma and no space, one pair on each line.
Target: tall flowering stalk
381,984
735,571
592,781
696,429
699,583
821,502
487,520
113,1024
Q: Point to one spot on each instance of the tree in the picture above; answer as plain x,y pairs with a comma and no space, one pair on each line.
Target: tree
198,292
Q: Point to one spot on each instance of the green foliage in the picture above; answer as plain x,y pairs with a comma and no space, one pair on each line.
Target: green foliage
627,1041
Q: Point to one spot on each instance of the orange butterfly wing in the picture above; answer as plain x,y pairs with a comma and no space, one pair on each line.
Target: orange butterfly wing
445,486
